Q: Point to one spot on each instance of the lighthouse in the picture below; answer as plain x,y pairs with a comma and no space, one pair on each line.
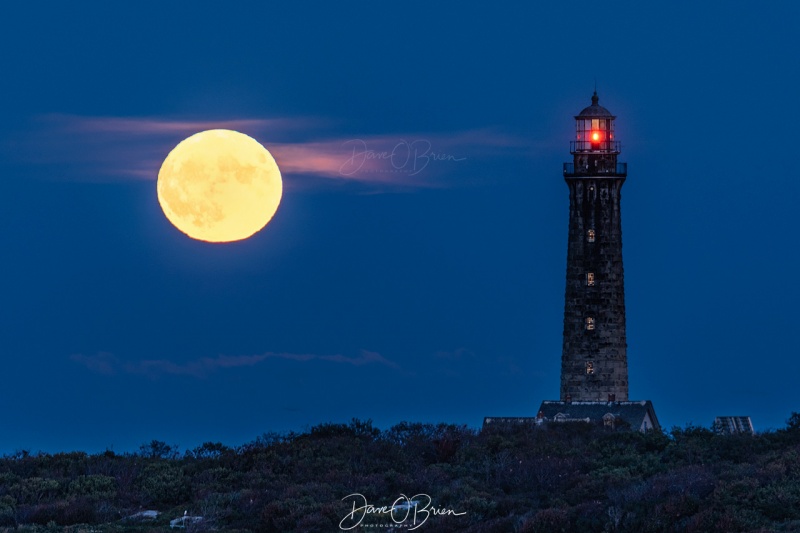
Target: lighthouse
594,361
594,355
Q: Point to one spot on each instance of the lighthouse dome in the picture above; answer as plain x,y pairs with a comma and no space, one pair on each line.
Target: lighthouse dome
595,110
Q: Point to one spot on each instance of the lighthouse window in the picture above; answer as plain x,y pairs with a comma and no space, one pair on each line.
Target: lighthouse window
590,279
589,367
590,235
589,323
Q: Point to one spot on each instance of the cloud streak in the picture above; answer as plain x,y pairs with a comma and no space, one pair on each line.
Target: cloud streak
89,148
108,364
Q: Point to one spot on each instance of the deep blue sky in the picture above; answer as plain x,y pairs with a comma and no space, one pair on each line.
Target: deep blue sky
435,296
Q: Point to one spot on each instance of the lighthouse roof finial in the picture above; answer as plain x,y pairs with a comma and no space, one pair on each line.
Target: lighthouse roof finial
595,110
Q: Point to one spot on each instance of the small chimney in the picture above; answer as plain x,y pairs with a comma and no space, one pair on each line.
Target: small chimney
568,399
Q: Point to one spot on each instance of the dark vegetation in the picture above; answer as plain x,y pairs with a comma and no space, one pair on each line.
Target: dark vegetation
566,477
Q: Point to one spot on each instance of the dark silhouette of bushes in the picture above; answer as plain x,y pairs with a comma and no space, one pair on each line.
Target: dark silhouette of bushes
562,477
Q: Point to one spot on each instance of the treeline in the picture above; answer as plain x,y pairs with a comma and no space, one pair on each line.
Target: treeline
564,477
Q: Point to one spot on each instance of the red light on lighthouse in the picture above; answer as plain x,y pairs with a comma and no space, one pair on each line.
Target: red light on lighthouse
595,136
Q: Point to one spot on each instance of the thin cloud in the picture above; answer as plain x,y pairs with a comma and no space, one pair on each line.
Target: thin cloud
364,357
102,363
415,159
108,364
133,148
152,126
459,354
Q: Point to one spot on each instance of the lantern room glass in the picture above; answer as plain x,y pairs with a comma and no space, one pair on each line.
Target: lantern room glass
594,134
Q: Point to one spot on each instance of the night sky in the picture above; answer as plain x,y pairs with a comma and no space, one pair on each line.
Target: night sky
426,288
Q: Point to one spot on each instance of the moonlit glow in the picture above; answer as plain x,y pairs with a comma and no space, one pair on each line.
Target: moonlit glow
219,186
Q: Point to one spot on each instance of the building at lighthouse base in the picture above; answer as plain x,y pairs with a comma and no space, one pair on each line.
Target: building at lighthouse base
620,416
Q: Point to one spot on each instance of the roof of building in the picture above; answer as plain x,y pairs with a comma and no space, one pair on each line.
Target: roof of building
595,110
504,420
632,413
731,425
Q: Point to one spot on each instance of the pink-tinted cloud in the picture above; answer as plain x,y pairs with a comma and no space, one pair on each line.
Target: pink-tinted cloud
108,364
114,148
413,160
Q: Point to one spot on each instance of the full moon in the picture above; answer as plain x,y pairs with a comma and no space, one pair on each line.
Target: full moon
219,186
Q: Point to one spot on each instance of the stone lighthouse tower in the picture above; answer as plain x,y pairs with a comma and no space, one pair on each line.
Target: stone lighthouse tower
594,362
594,357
